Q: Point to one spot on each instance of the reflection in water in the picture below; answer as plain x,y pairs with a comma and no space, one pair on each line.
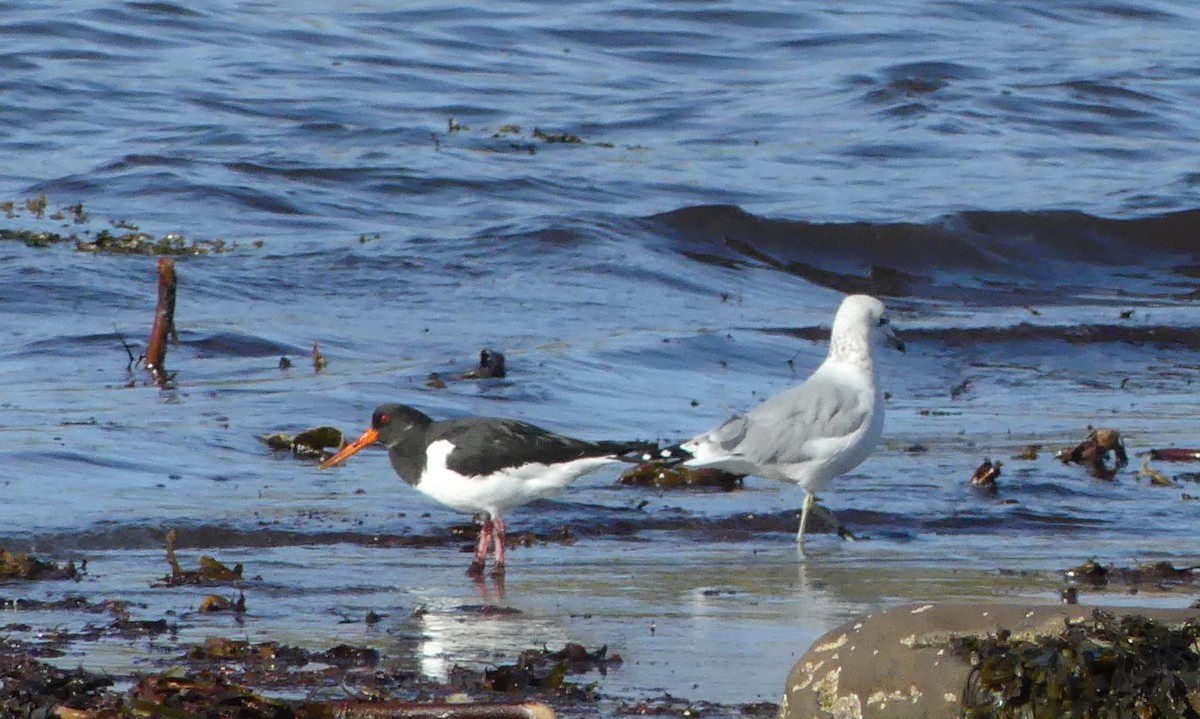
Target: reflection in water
450,633
486,594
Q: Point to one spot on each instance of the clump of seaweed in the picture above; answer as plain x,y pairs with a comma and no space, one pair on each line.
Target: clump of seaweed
663,476
1128,666
491,365
128,240
18,565
186,696
1102,452
1160,575
310,444
209,571
985,476
541,670
142,243
31,688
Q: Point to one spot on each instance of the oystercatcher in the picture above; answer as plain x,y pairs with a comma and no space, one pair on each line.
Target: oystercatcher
483,465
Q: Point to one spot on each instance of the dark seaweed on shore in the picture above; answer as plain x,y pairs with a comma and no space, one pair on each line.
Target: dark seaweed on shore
1131,666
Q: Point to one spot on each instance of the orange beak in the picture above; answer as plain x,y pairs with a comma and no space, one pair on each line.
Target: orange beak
367,438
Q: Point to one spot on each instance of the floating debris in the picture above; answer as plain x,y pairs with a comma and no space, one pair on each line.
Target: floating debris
985,476
216,603
1157,478
961,388
563,138
221,649
130,242
491,365
315,443
1102,452
1174,454
1030,452
34,238
1129,666
1162,575
37,205
124,625
1090,572
541,671
210,571
662,476
18,565
164,324
319,361
142,243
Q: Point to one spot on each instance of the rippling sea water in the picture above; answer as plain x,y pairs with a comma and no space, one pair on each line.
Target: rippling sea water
652,210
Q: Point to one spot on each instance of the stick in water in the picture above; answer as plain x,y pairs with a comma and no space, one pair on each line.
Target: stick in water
164,321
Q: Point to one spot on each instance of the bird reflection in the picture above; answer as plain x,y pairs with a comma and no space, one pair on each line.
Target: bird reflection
491,631
492,595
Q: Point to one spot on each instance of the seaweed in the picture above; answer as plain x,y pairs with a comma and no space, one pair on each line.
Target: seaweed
1157,478
663,476
123,239
492,365
318,360
1102,452
1161,575
209,571
1174,454
310,444
985,476
1104,666
18,565
30,688
542,670
216,603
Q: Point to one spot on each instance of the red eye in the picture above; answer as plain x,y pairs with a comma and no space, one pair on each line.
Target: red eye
385,419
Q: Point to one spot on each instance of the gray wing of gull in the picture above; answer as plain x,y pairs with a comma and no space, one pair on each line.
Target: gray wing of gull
779,430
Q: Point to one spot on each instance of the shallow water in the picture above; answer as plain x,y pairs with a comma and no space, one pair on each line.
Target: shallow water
1016,183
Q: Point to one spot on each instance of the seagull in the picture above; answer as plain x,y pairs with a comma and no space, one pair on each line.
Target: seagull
483,465
816,431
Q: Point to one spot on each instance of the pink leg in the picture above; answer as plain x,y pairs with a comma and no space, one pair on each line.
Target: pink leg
481,551
500,529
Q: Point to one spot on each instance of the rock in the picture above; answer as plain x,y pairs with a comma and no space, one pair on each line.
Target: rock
899,663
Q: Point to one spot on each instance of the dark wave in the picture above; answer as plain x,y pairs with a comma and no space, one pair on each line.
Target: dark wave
985,256
1186,338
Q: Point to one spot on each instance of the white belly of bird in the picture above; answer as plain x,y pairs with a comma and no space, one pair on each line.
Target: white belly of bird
839,455
503,490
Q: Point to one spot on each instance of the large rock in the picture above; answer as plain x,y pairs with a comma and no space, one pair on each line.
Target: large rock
897,663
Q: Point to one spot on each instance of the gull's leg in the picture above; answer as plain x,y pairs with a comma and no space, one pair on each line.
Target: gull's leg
811,507
808,502
842,530
481,550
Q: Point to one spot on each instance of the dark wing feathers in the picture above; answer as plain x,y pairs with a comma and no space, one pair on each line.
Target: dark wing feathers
484,445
